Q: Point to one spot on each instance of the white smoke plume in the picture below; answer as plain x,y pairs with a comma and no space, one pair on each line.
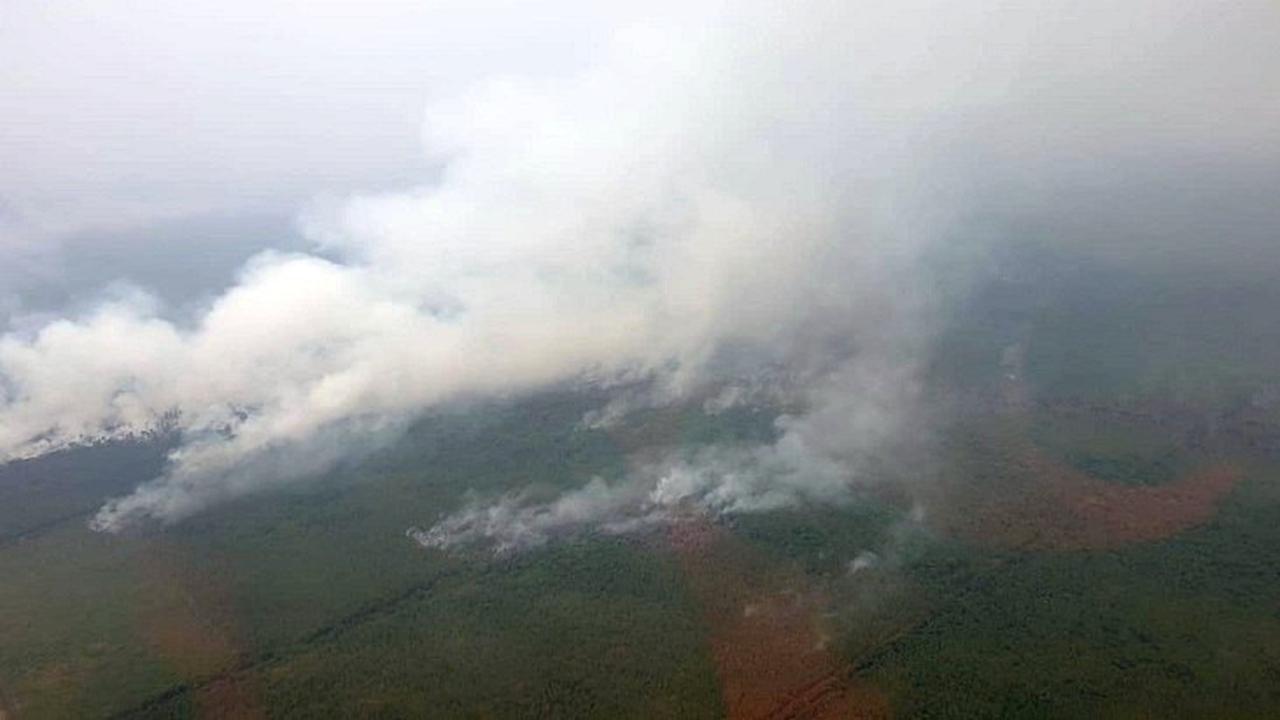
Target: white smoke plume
857,417
511,525
762,183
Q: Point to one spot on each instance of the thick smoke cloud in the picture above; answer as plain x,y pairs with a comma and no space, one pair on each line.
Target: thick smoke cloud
859,419
770,184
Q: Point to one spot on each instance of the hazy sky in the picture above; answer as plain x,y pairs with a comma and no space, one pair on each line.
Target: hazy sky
119,112
123,122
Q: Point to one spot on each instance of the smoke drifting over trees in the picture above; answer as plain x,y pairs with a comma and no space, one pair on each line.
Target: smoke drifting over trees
767,187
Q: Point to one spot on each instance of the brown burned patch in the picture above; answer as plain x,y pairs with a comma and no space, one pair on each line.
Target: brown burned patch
767,637
190,624
1044,504
229,698
1012,493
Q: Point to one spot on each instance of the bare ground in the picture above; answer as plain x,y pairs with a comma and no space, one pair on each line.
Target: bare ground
1044,504
767,635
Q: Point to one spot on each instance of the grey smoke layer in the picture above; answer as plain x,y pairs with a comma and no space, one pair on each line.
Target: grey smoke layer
766,183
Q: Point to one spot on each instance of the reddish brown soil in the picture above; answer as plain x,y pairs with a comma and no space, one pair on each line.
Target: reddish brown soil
1032,501
229,698
1047,505
767,638
191,626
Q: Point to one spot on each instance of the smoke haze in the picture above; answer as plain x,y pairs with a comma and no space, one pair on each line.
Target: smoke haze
745,186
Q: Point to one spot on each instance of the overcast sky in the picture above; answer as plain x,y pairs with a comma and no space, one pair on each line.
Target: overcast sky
127,125
118,112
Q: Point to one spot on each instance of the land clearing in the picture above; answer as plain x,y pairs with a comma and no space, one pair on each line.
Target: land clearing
1040,503
767,633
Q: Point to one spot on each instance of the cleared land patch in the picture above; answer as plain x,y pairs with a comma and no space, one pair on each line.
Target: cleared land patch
767,633
1033,501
